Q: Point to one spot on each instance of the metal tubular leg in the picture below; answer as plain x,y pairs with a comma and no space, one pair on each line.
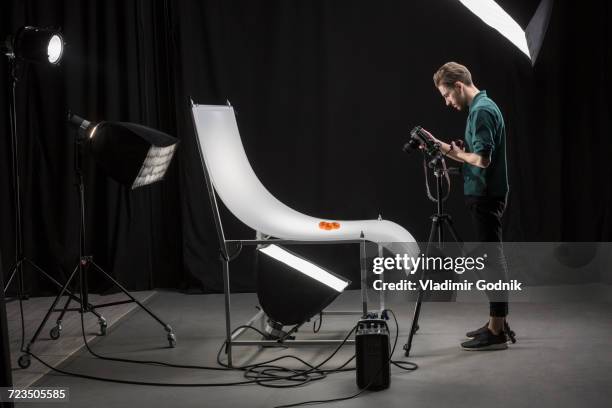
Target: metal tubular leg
451,228
13,270
228,323
41,271
364,278
383,294
44,321
435,225
125,291
61,316
75,298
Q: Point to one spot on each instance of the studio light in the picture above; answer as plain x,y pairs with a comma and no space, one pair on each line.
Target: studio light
292,289
305,267
530,40
493,15
39,45
132,154
135,156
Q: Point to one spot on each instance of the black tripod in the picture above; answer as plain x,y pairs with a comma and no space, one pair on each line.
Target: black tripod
438,221
81,271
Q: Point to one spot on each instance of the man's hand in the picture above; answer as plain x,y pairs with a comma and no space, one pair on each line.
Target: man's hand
432,137
445,148
457,145
456,151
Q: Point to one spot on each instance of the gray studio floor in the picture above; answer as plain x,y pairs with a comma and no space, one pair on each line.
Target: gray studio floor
563,359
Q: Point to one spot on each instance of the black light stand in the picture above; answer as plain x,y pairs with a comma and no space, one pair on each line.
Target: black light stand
81,270
17,269
439,220
6,379
29,44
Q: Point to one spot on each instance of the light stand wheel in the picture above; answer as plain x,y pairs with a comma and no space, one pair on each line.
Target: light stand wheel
24,361
171,340
103,326
55,332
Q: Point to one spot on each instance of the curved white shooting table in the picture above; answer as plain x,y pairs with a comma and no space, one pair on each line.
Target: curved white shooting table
232,178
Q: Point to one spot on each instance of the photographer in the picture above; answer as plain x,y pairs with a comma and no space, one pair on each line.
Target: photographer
485,184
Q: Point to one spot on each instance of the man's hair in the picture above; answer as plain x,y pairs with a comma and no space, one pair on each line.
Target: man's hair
450,73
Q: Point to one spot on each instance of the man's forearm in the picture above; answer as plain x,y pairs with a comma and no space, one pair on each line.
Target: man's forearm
447,150
474,159
462,156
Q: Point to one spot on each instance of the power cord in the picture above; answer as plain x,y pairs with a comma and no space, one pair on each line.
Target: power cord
263,373
404,365
299,377
316,329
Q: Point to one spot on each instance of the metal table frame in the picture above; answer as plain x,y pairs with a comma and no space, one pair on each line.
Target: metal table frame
232,337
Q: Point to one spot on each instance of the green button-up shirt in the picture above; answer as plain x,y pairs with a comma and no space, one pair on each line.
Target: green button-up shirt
485,134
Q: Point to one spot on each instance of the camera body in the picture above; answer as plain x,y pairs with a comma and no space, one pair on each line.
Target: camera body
419,138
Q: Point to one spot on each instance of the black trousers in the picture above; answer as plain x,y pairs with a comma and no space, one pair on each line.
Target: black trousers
486,215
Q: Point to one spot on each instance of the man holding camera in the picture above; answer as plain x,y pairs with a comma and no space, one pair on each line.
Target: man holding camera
485,184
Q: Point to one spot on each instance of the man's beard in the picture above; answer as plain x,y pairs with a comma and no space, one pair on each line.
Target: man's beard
462,103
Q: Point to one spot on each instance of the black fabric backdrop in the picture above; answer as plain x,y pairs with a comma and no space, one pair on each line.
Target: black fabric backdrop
325,92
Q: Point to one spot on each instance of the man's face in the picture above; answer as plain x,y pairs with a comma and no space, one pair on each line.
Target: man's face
454,96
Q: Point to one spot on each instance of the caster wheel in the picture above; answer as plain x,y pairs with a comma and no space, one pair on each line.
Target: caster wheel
103,327
55,332
24,361
172,340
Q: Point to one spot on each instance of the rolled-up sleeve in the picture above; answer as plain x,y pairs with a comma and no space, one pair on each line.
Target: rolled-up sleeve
484,129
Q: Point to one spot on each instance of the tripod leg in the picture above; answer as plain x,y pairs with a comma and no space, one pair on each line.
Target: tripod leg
453,231
171,336
432,232
59,285
13,270
24,360
415,323
43,272
417,306
57,329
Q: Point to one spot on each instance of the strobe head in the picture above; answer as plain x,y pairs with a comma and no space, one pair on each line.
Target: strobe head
85,127
37,45
132,154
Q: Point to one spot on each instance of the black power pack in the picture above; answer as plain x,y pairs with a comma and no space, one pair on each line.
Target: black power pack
372,350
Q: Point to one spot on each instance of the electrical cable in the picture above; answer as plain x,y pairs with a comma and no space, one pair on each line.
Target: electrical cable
316,329
400,364
257,378
263,373
270,374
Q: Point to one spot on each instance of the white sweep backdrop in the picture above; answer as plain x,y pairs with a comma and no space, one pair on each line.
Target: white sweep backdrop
246,197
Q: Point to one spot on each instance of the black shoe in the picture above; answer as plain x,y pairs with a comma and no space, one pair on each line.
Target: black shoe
474,333
511,335
486,341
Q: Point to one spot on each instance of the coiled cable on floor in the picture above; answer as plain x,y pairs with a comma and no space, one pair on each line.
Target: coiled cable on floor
263,373
404,365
